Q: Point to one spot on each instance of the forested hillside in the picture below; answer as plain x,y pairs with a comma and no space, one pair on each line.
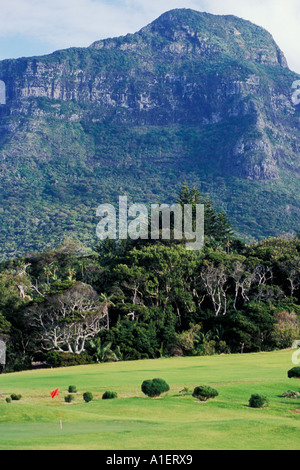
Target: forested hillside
191,97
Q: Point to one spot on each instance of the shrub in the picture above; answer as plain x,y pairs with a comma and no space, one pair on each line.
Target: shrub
291,394
8,400
15,396
108,394
88,396
258,401
185,390
294,372
204,392
72,389
154,387
64,359
69,398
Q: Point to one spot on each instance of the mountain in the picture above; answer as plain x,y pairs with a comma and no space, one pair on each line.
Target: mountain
191,97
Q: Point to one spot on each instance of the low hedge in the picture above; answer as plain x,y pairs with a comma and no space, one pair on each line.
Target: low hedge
204,392
107,395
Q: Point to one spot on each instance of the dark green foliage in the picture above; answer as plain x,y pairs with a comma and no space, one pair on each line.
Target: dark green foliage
15,396
88,396
135,340
100,351
294,373
159,299
217,224
107,395
64,359
204,392
250,327
69,398
155,387
72,389
258,401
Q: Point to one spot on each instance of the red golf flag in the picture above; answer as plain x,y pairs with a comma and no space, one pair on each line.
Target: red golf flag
54,393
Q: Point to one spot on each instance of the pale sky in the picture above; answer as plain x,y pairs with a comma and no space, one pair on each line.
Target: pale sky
36,27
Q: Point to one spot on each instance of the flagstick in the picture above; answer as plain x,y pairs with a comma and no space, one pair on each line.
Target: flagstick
60,420
55,393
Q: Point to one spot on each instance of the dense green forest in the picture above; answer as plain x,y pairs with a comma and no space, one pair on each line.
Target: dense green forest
135,299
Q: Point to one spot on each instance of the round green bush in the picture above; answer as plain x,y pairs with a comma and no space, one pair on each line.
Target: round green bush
258,401
69,398
153,388
72,389
88,396
15,396
108,394
8,400
294,373
204,392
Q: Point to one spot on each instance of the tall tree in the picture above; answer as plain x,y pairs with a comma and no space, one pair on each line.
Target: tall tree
66,320
216,223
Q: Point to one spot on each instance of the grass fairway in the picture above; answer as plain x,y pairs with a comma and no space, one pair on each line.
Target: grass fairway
171,422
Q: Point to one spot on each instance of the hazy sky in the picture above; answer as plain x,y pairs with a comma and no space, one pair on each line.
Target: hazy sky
35,27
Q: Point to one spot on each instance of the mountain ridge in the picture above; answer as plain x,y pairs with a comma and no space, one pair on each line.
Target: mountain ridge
190,97
172,22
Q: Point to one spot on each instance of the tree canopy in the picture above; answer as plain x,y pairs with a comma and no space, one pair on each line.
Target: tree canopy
133,299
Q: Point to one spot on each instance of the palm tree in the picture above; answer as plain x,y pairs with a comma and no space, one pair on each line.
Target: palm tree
71,273
47,270
102,352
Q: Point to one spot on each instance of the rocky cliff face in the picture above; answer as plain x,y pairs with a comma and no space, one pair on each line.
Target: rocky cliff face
193,92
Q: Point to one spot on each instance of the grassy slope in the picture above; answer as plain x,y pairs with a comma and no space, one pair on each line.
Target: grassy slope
173,421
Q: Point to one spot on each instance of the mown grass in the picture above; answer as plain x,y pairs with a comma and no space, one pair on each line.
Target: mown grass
171,422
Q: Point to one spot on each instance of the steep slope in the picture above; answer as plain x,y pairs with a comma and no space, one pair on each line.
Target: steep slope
191,97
